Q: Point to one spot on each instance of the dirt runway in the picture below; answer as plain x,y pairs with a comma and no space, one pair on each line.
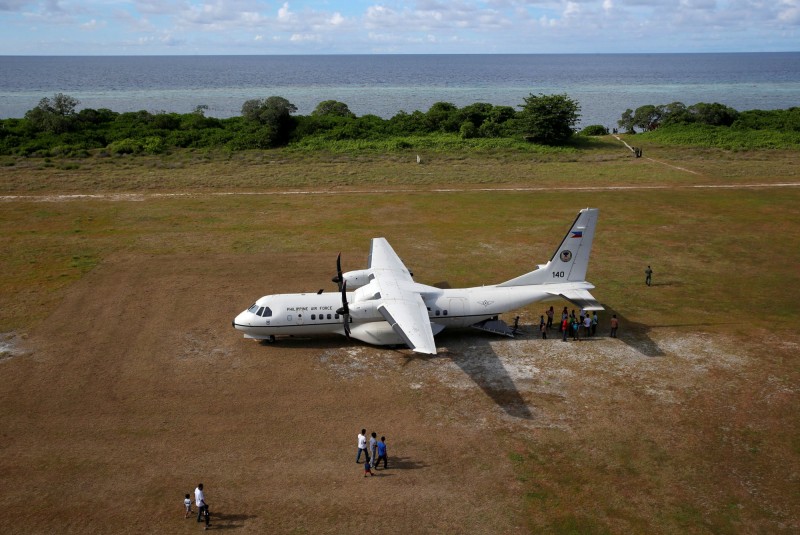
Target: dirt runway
135,388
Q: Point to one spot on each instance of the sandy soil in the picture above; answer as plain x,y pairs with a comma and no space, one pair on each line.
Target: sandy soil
135,388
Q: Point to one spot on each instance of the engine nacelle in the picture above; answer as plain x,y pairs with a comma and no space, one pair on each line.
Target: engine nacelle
356,279
365,311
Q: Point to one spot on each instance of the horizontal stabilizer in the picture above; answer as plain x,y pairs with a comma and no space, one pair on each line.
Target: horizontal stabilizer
582,299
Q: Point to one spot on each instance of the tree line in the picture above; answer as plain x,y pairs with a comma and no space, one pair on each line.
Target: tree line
650,117
55,126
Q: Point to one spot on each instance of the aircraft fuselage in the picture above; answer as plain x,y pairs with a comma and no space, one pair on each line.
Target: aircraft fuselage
311,313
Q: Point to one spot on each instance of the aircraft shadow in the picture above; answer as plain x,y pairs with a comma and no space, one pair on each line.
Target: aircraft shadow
630,332
486,370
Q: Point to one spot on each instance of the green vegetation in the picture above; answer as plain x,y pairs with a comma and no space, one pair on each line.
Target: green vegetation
715,125
544,123
721,137
548,118
54,128
594,130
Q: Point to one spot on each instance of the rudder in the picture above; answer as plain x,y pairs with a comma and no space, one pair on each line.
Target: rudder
571,259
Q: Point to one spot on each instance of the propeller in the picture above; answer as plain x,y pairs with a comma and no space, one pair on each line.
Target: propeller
345,310
338,278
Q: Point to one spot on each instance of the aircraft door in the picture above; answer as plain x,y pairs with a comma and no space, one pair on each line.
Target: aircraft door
457,309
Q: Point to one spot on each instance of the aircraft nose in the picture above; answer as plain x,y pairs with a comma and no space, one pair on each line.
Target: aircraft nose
240,320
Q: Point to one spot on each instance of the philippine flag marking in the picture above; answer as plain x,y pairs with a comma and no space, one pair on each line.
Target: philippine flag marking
577,234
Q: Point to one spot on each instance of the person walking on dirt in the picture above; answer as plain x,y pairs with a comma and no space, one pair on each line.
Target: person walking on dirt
614,325
202,506
564,329
382,453
367,468
187,504
373,446
648,275
594,323
362,445
550,313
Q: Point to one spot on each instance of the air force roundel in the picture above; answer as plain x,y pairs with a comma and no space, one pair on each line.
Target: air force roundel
566,255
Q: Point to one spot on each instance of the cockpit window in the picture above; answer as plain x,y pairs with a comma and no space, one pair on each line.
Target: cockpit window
260,311
265,313
253,308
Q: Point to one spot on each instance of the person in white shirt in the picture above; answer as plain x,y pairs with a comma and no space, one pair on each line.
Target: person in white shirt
202,507
187,503
362,446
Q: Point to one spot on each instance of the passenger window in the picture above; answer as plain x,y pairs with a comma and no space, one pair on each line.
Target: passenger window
336,316
329,316
445,313
313,316
438,312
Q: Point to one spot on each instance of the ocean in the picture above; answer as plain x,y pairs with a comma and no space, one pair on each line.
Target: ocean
605,85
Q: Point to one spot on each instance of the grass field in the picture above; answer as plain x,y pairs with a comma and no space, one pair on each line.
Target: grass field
122,383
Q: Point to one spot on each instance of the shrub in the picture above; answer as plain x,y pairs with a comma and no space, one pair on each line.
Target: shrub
468,130
594,130
125,146
153,145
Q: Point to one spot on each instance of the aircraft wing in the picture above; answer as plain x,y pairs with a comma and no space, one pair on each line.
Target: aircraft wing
383,258
401,303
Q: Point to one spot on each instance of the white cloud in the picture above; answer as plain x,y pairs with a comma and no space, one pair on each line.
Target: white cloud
284,15
93,25
420,25
305,38
572,9
337,19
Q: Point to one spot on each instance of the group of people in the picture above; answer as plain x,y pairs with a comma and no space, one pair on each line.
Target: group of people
585,324
377,449
202,507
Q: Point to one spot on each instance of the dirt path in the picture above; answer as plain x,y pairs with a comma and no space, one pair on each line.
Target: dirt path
140,197
654,160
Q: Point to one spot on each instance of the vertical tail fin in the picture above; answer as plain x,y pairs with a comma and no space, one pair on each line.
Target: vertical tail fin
571,259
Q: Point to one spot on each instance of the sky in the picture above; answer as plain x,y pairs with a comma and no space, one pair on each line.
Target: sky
191,27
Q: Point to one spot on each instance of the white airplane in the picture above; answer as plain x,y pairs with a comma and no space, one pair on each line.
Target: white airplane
389,308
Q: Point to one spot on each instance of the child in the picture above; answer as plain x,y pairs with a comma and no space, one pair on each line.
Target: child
187,503
367,468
